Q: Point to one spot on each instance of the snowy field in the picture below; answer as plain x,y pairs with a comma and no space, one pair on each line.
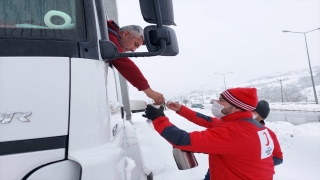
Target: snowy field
300,146
287,106
295,107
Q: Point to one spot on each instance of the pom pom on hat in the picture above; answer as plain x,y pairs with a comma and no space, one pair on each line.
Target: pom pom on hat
242,98
263,109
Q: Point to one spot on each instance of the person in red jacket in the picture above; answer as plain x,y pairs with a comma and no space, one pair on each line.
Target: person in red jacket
260,114
238,146
130,38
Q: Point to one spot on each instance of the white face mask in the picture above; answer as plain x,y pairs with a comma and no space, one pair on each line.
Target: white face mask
216,110
254,116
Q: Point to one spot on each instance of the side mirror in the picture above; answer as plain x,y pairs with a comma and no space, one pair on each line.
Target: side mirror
153,36
149,13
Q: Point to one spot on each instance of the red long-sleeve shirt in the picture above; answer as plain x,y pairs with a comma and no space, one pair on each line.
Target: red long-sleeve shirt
126,67
238,146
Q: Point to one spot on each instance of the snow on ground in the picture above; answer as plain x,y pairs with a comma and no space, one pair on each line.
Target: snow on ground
300,145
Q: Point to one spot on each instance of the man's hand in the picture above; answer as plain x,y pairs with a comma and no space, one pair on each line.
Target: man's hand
153,113
174,106
157,97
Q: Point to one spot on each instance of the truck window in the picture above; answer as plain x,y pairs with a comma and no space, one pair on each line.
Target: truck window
38,19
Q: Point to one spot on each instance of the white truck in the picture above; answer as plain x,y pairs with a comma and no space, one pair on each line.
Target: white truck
64,111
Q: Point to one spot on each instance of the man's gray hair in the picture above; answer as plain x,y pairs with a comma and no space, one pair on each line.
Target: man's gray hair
135,31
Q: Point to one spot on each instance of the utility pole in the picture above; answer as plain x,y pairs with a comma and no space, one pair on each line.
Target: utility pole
305,38
224,78
202,91
190,93
281,88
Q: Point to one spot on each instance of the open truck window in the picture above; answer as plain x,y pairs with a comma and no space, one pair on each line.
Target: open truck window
42,19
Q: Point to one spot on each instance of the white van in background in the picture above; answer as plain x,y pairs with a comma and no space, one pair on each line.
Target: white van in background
137,105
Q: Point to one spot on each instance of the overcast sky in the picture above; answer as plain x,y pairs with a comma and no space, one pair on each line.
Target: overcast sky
221,36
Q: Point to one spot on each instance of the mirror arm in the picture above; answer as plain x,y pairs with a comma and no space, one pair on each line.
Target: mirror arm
157,13
102,20
147,54
110,51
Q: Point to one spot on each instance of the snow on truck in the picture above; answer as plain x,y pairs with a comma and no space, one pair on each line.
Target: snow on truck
64,111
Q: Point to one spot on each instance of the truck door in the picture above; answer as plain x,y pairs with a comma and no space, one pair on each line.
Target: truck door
114,101
37,39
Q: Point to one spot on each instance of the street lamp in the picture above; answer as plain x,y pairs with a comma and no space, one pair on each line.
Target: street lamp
305,38
281,88
202,91
224,78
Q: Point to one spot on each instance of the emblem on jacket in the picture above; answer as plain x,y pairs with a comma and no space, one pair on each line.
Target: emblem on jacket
6,118
266,143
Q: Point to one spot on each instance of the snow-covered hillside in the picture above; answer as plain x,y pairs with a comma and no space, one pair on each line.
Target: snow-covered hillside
296,86
293,86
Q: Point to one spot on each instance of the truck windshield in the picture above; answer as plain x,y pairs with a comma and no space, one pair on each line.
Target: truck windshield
38,19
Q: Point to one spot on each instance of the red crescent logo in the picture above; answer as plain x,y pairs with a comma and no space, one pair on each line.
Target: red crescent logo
267,139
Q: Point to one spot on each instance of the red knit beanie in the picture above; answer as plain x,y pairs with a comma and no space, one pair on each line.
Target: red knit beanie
243,98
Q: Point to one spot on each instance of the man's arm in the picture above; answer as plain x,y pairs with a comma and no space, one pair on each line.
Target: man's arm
198,118
132,73
277,153
129,70
207,141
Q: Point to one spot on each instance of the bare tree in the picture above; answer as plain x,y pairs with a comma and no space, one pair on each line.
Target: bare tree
185,101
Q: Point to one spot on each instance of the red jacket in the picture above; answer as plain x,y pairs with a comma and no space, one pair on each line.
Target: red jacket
277,150
238,146
126,67
198,119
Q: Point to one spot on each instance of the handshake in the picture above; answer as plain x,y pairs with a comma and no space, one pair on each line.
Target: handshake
152,112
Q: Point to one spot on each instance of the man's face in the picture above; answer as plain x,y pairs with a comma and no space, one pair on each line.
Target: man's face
128,43
258,118
228,108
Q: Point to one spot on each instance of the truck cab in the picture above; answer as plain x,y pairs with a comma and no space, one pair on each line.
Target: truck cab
64,110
